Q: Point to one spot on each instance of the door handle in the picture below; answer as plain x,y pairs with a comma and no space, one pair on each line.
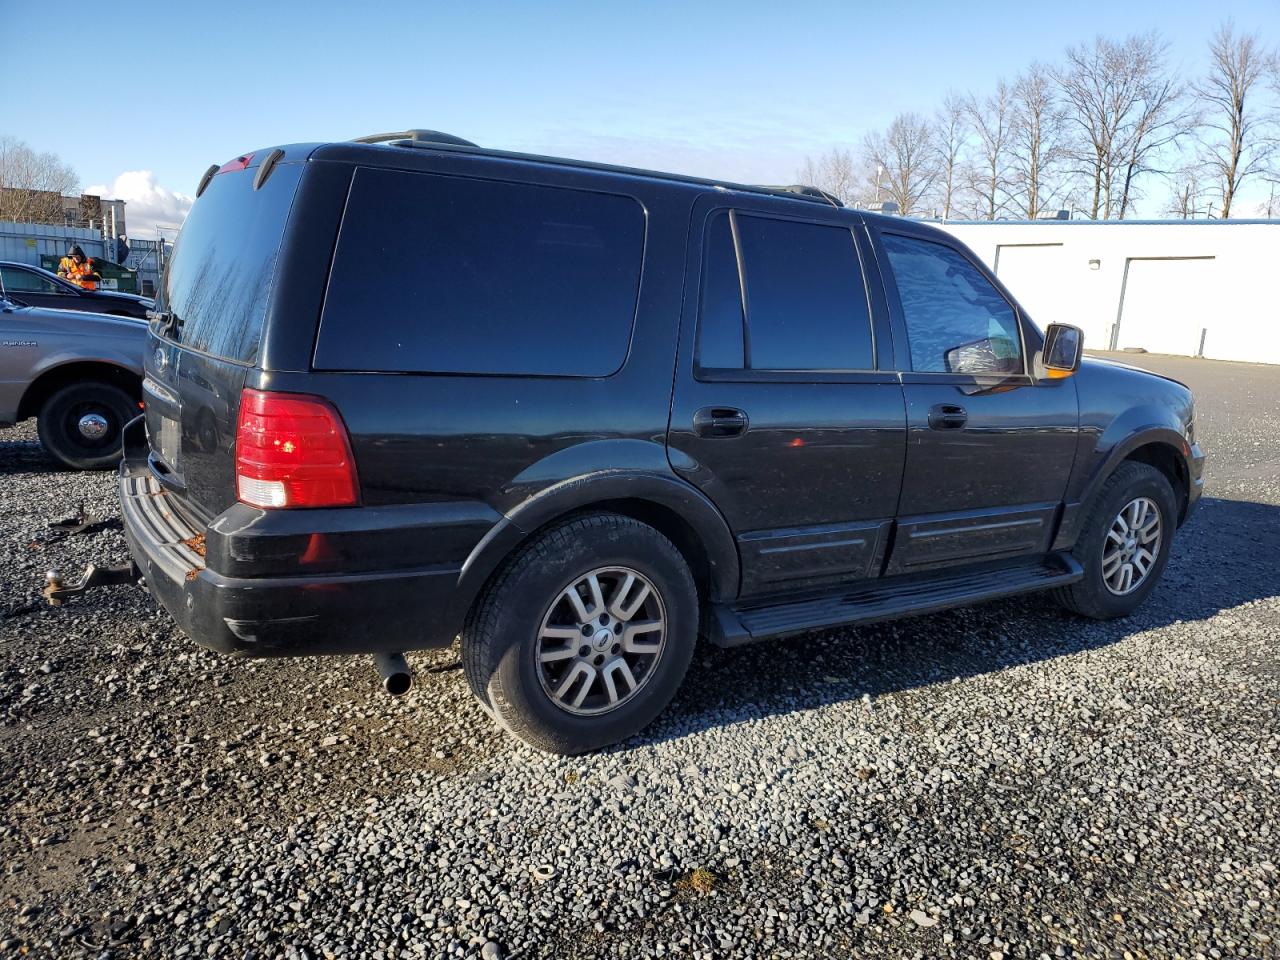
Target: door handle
947,416
720,422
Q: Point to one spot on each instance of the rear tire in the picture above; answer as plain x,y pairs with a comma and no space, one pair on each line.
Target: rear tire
566,675
1104,548
81,424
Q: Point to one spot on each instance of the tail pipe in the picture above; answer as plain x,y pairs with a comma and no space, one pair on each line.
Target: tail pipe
394,671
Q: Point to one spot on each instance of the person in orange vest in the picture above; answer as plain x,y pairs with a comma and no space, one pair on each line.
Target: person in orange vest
78,268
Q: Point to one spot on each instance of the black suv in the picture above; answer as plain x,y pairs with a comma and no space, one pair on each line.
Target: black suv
407,389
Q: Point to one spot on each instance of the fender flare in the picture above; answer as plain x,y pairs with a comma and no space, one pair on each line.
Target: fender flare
663,489
110,358
58,361
1120,451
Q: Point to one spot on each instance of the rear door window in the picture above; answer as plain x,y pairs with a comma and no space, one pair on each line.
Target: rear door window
440,274
219,277
806,301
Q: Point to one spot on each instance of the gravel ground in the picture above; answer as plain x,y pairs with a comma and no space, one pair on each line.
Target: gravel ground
1003,781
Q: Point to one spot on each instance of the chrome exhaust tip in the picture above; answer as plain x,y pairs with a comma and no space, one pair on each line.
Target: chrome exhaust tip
394,671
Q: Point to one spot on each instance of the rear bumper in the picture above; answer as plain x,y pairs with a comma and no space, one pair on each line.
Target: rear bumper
278,615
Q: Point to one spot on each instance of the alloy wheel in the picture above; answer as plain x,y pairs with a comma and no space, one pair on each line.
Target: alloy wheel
600,640
1132,546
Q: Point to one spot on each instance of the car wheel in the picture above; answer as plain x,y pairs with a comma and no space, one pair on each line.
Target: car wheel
81,424
585,635
1124,543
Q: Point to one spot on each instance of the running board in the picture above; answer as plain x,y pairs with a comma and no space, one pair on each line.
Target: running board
901,596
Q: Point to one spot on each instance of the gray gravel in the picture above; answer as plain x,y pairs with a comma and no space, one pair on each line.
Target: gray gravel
1004,781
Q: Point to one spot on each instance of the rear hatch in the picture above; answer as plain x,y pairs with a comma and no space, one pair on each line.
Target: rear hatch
212,305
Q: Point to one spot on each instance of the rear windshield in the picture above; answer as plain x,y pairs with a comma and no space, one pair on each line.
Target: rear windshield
439,274
219,277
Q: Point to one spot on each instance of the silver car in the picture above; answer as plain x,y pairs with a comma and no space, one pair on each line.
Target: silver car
79,374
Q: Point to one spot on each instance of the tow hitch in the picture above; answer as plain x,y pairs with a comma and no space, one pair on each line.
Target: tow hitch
57,592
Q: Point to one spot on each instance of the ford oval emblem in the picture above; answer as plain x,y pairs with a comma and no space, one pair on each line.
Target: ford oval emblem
161,358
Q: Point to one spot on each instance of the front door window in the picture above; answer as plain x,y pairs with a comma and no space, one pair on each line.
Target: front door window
957,322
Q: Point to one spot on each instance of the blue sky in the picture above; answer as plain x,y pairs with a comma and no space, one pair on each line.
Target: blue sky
739,91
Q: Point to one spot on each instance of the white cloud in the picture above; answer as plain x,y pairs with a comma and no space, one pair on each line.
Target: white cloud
151,209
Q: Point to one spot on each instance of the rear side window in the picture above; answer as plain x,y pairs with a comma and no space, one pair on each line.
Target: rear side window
24,281
437,274
219,277
957,322
806,302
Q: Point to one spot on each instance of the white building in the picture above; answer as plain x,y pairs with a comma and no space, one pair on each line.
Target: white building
1191,287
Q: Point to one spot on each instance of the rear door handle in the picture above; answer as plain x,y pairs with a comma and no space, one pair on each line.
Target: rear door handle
947,416
720,422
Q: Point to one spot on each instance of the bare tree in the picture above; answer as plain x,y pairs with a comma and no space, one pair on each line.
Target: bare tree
992,172
1161,116
1238,147
1271,206
32,184
1103,85
1036,141
905,160
1187,199
952,136
834,172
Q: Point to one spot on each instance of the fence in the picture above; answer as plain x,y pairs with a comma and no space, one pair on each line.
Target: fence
27,242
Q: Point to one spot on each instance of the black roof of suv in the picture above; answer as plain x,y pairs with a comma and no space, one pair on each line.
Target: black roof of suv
583,414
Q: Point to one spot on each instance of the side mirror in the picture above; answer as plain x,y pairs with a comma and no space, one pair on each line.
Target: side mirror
1063,348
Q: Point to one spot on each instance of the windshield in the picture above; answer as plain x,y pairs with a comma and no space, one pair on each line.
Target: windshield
217,283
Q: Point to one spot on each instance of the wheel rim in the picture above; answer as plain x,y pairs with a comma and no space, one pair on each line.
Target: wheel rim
600,640
1132,546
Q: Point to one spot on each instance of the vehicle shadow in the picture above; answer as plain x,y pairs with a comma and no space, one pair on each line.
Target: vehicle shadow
20,454
1222,558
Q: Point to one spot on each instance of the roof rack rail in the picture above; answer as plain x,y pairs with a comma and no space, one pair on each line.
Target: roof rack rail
803,190
412,137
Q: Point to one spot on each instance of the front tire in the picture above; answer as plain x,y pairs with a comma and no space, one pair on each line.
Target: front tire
81,424
584,637
1124,543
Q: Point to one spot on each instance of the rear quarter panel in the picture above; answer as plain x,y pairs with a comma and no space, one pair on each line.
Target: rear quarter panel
504,447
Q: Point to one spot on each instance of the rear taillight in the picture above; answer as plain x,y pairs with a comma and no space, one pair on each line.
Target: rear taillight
292,451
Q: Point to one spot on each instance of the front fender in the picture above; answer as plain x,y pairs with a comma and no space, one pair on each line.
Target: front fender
1136,427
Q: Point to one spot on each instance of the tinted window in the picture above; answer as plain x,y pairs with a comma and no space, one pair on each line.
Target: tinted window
451,275
219,277
720,327
957,322
25,281
806,302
